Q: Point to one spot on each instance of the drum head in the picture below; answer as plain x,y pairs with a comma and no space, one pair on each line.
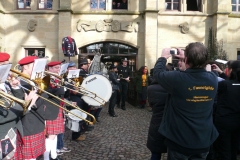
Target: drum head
98,85
78,113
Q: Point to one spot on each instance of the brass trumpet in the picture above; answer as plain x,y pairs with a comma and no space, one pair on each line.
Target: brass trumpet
24,104
39,82
80,90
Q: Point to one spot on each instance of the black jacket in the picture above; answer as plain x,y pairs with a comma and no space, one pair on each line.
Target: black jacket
34,120
69,47
10,118
157,97
113,79
228,103
187,119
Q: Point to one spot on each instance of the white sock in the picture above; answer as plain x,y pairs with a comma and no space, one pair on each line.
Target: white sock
54,148
48,144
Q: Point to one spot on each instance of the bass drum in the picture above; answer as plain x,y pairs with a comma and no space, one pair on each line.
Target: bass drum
98,85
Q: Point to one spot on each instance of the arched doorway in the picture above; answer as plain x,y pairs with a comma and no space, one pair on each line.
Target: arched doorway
111,52
114,52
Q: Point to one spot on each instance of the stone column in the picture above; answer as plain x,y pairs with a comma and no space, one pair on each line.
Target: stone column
222,8
151,27
64,25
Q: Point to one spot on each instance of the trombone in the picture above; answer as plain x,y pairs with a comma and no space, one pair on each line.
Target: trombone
11,99
81,89
39,82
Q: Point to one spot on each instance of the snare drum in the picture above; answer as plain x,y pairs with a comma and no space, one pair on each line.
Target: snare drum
73,122
100,86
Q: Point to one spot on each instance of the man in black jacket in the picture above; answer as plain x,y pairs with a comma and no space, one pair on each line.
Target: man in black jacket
115,81
124,74
187,122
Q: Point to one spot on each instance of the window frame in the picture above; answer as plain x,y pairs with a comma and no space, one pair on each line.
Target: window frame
238,53
36,51
199,10
98,5
172,2
237,6
118,1
45,5
25,7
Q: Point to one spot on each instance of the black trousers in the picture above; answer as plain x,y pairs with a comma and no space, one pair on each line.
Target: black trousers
123,86
173,155
227,142
112,102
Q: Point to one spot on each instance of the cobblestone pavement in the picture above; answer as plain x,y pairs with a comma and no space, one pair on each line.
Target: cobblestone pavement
113,138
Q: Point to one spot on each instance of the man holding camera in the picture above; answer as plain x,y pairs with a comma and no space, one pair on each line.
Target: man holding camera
187,122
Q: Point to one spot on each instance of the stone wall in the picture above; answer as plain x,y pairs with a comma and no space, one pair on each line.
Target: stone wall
155,28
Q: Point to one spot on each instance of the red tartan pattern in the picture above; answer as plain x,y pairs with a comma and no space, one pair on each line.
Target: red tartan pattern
30,147
54,127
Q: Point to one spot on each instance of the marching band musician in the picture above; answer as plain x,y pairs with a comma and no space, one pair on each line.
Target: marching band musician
123,85
54,127
9,119
32,143
75,97
84,64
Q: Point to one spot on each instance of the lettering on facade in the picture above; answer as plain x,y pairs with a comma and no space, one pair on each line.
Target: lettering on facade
107,25
32,25
184,27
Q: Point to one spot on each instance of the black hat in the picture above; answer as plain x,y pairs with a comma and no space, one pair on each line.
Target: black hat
125,59
112,66
84,61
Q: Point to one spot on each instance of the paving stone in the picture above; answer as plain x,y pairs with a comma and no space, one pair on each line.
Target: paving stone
114,138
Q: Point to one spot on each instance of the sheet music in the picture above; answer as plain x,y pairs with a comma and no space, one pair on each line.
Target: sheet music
73,73
38,68
63,69
4,70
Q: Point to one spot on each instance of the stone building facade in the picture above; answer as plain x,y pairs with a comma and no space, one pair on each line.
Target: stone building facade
139,32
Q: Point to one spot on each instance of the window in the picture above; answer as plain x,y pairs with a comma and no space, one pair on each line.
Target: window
172,4
40,52
109,48
45,4
23,4
98,4
238,55
236,5
194,5
119,4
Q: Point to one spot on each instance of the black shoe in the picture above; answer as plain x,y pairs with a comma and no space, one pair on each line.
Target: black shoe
97,120
114,115
123,108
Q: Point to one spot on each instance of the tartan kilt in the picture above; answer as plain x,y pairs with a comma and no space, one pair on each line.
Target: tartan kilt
54,127
30,147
